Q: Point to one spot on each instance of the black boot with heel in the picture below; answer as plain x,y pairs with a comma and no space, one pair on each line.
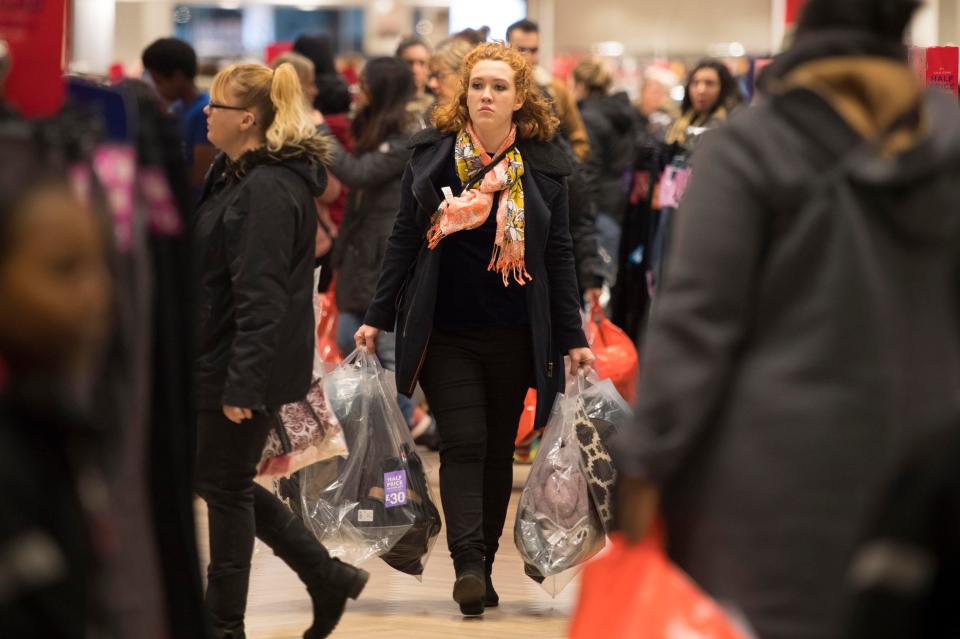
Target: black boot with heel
329,581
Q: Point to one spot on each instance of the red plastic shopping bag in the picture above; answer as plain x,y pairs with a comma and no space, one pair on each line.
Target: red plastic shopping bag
636,592
326,314
525,431
615,352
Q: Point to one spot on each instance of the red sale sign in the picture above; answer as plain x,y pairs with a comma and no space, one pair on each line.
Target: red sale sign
942,68
793,10
34,31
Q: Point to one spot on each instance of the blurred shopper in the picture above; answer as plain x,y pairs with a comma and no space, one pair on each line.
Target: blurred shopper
326,228
473,37
610,123
524,36
254,234
172,66
479,284
415,51
445,74
709,95
54,317
656,108
382,130
333,101
655,112
808,331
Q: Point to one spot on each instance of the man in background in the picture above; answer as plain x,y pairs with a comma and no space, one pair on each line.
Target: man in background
524,36
415,51
172,66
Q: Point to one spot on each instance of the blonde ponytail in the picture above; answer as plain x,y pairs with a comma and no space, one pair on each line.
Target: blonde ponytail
291,121
275,96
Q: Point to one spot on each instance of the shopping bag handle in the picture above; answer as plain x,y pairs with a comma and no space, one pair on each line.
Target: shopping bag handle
596,317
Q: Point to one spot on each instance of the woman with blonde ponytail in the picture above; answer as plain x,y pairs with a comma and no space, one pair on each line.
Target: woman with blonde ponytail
254,240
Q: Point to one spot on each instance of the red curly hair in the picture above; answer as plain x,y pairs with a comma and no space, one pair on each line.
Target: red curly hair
535,120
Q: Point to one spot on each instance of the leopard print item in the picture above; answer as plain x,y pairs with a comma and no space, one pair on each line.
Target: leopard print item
597,464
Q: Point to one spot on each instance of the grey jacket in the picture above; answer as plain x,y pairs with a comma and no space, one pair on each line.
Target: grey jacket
801,342
372,203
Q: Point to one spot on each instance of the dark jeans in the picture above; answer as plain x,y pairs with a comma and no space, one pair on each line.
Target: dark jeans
475,383
239,509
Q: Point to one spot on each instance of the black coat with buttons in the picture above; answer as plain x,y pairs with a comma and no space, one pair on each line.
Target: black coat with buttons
406,294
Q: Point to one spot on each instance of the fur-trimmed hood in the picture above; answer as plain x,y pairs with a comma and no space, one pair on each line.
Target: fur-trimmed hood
307,159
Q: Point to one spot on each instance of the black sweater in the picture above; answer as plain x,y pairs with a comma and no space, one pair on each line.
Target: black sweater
469,297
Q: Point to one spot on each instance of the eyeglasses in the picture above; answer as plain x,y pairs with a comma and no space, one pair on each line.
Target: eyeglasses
217,105
439,75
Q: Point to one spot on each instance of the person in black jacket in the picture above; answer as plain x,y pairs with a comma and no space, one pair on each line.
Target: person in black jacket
478,282
380,132
254,235
610,122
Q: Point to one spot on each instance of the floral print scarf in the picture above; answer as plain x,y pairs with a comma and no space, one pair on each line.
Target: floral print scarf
472,207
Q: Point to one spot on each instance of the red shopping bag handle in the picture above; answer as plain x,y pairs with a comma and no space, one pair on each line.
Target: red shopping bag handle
597,316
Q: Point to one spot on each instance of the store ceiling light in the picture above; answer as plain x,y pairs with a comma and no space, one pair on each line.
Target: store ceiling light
610,49
727,50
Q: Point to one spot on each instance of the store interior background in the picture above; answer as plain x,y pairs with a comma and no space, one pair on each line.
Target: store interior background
632,34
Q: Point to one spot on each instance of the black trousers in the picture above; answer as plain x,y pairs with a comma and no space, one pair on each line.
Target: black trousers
475,383
238,510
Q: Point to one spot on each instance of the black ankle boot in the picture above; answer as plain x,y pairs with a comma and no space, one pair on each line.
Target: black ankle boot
469,591
330,582
490,597
330,595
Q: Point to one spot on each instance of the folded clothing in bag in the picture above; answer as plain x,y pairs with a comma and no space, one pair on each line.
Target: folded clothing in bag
379,503
398,496
557,527
304,433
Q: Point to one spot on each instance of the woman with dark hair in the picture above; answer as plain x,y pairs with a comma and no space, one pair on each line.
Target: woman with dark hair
808,332
479,283
381,131
711,92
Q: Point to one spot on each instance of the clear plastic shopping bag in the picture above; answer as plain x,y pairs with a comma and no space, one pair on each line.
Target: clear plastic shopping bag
566,508
606,413
557,528
376,502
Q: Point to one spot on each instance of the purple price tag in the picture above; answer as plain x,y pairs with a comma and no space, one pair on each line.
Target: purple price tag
395,488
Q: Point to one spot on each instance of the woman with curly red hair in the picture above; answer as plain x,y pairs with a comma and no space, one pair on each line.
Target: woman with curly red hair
478,281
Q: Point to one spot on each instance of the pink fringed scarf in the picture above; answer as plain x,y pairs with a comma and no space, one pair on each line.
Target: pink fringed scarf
472,207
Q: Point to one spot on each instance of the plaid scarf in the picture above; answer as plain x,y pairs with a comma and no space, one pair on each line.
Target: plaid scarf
472,207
